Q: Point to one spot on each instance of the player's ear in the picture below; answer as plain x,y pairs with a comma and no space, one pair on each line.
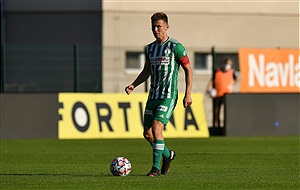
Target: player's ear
167,27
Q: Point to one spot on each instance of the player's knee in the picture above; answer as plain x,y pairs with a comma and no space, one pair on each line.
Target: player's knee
148,136
157,129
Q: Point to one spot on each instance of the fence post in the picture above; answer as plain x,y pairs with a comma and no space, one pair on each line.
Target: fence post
76,67
3,67
213,53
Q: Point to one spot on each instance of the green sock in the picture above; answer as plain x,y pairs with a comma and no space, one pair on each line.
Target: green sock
166,153
158,148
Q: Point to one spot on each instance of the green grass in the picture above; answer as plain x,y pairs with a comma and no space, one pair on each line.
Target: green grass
214,163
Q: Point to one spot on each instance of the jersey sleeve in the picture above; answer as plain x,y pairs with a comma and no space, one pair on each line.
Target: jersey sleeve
181,55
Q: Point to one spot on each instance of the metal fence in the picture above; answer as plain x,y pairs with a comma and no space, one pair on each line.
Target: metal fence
51,68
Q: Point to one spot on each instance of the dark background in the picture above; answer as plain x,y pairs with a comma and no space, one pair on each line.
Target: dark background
262,114
38,38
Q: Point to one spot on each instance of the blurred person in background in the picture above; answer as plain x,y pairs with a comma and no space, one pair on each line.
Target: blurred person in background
223,81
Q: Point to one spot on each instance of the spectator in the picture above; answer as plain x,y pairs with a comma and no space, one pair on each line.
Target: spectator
222,82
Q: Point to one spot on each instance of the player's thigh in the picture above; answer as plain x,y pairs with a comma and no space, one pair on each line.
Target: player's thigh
150,108
165,110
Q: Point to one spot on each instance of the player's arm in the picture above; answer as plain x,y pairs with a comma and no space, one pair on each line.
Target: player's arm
187,100
183,60
144,75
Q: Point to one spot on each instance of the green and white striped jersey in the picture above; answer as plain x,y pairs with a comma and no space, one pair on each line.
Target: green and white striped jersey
164,61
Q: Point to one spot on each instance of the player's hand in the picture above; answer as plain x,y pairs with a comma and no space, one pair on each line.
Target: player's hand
129,89
187,100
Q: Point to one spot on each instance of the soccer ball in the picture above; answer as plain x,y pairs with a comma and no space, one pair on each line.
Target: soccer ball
120,166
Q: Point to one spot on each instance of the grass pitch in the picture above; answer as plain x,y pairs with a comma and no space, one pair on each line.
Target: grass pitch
214,163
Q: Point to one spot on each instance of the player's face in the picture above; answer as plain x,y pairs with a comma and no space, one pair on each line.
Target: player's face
159,29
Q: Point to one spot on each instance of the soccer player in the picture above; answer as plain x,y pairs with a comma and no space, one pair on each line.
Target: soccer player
164,56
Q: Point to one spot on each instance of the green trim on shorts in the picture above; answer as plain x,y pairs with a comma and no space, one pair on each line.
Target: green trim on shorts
160,110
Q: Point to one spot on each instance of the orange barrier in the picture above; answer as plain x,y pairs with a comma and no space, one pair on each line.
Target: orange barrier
269,70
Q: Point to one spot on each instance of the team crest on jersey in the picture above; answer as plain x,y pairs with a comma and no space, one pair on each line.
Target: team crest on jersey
167,52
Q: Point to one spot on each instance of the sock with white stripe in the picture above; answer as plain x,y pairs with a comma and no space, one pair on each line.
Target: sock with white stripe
166,153
158,148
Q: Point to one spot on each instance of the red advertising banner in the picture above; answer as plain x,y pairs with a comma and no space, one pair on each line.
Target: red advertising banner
269,70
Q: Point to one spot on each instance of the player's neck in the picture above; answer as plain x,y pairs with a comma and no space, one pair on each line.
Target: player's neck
162,40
